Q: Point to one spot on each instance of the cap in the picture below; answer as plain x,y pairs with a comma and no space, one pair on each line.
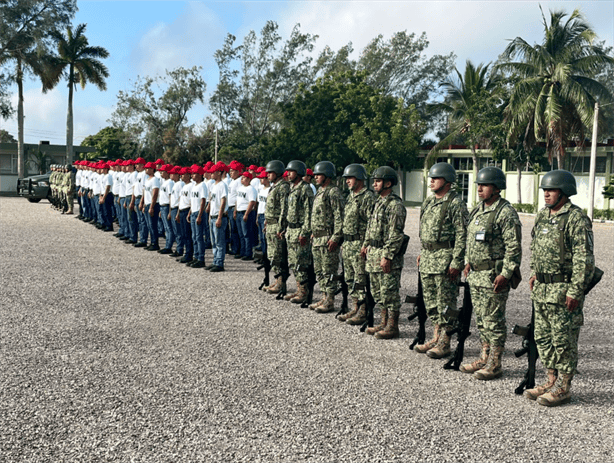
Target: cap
310,172
248,175
159,161
262,174
140,161
150,165
252,167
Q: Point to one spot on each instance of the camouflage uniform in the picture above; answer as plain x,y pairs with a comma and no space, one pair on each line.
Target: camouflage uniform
69,191
53,184
296,221
501,249
326,224
443,246
557,329
278,195
383,238
357,213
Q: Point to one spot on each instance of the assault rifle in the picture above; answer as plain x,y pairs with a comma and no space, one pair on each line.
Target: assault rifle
285,271
263,264
344,290
311,282
462,322
419,312
530,349
370,306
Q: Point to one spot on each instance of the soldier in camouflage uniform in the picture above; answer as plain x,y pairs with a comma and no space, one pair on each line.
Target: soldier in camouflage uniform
69,190
562,265
443,234
382,250
326,234
63,190
358,210
296,223
494,250
278,195
53,184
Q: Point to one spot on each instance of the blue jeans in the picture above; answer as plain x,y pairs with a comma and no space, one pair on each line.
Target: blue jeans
95,209
261,234
176,233
121,216
169,233
197,236
235,241
206,232
186,235
152,222
143,230
246,232
132,221
218,241
107,209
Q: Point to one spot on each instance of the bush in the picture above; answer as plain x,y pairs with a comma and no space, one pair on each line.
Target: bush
603,214
528,208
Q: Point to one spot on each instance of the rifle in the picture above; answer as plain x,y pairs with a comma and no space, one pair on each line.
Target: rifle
285,271
311,282
529,347
370,302
419,312
344,290
263,263
462,319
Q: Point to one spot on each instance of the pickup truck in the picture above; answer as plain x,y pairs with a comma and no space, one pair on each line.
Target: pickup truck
34,188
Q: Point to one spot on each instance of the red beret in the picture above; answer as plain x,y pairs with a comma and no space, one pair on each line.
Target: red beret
196,169
262,174
149,165
140,161
184,170
252,167
248,175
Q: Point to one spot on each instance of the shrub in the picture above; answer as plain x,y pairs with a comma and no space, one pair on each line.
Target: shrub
528,208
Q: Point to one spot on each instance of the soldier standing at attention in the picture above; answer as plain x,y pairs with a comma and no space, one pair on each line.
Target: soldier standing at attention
494,250
358,210
562,265
326,235
297,214
443,234
277,197
218,216
382,250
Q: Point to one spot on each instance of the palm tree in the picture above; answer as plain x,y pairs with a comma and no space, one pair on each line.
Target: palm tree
555,95
79,63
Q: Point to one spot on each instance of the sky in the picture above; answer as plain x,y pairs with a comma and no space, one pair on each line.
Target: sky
145,38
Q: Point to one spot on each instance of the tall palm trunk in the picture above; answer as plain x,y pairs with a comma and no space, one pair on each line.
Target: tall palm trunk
473,186
519,191
21,161
69,118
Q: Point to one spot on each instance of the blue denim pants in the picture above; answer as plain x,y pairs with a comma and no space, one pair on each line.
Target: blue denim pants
218,241
152,222
169,232
197,236
176,233
186,233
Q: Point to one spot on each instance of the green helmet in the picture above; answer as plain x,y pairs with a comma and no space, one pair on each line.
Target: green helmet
387,174
276,167
443,170
491,176
559,179
325,168
298,167
357,171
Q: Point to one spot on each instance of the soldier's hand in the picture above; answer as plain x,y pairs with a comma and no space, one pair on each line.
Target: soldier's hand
280,235
571,303
332,246
385,264
466,270
363,252
453,273
500,284
302,240
531,281
418,260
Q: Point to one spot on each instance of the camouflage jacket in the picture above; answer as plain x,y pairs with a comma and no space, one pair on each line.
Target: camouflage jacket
384,234
296,211
500,248
278,195
358,210
452,228
53,179
577,260
327,215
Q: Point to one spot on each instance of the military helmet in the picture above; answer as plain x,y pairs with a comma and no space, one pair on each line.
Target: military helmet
559,179
357,171
297,166
68,167
443,170
276,167
387,174
491,176
325,168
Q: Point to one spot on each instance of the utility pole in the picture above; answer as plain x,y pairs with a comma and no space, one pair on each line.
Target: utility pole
216,145
591,178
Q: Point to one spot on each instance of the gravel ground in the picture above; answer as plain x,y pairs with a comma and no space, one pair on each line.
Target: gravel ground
112,353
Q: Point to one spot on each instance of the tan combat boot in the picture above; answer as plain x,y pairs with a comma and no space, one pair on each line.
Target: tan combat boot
428,345
492,369
289,297
317,304
537,391
328,304
559,394
360,317
301,294
442,349
392,327
275,287
353,311
479,363
382,324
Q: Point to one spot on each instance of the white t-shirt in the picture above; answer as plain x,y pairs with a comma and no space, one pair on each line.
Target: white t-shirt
166,190
313,188
176,193
95,183
232,191
121,178
78,178
151,184
263,193
199,192
245,194
85,179
141,177
255,183
115,188
130,182
184,199
216,193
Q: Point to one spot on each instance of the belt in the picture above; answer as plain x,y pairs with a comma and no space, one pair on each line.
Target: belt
553,278
173,208
355,237
216,216
294,225
320,234
376,243
486,265
272,221
436,245
184,209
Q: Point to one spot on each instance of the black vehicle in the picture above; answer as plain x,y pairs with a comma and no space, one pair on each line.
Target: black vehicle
34,188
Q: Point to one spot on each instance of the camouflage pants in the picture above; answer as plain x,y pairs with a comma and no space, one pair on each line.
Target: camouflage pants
385,288
299,257
489,308
68,198
326,265
438,291
274,248
354,270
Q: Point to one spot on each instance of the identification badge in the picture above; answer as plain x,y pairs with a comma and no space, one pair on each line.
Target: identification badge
477,222
480,236
545,231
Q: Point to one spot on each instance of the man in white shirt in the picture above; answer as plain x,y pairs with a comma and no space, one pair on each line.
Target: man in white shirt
124,230
174,209
183,214
236,169
131,218
135,203
245,215
265,186
150,206
253,169
115,167
309,179
95,194
198,204
158,164
106,198
166,190
218,217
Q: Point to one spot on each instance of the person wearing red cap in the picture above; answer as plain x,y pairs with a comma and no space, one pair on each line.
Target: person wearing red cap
236,169
131,217
106,198
166,190
178,185
78,174
115,171
245,215
158,164
218,218
263,193
183,214
121,213
149,205
309,179
137,198
198,204
253,169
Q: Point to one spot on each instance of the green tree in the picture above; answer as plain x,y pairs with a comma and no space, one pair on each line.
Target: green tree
79,63
555,97
6,137
111,143
154,112
39,159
